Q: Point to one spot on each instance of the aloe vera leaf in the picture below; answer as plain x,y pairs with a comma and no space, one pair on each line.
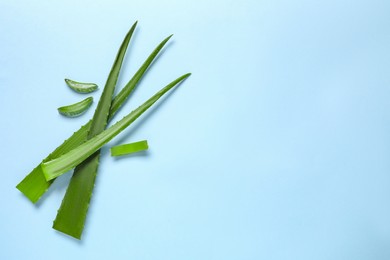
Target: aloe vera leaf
81,87
125,149
72,213
34,185
88,168
69,160
76,109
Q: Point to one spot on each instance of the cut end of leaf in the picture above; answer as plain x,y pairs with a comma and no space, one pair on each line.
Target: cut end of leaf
48,172
33,185
67,231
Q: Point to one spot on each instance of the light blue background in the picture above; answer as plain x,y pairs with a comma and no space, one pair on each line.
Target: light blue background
277,147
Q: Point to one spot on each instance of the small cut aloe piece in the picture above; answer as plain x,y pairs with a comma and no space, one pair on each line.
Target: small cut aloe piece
76,109
81,87
125,149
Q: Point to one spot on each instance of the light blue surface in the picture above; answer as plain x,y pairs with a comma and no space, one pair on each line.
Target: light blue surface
277,147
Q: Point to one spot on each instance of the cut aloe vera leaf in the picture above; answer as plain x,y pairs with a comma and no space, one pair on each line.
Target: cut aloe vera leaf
81,87
130,148
34,185
71,159
76,109
88,168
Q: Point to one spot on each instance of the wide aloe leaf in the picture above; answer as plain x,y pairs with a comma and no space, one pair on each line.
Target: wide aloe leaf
34,185
88,168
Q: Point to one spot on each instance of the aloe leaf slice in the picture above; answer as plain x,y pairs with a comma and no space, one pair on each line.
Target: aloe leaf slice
34,185
81,87
76,109
69,160
125,149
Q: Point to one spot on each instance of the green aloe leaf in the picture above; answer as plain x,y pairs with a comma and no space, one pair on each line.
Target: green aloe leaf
34,185
125,149
68,161
76,109
81,87
88,169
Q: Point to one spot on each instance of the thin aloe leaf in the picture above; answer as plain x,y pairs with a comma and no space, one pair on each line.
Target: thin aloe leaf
81,87
76,109
34,185
130,148
68,161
